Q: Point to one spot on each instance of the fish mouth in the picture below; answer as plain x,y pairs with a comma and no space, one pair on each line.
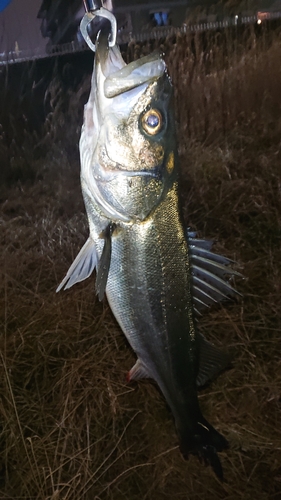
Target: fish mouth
112,169
121,77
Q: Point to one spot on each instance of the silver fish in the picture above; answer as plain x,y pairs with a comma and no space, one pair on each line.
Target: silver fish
157,276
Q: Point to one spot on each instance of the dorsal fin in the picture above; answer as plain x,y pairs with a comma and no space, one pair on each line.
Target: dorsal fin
82,266
211,361
211,274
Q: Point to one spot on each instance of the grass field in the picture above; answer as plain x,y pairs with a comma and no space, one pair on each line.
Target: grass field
71,427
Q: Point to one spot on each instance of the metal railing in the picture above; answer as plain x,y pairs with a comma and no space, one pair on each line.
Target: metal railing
18,56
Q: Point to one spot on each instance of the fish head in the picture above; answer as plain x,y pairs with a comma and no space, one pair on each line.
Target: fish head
127,144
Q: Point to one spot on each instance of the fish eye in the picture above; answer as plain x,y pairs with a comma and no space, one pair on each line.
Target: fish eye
152,121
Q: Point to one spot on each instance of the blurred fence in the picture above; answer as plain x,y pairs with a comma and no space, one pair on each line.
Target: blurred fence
142,36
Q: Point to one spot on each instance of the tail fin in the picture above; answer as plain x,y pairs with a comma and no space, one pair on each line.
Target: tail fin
204,442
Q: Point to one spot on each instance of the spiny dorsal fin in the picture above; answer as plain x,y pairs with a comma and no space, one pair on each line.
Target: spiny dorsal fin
138,371
82,267
211,274
211,361
104,263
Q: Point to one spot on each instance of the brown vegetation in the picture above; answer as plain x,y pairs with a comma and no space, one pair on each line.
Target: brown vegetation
71,427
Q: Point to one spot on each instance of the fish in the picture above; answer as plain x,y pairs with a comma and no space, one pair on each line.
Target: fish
158,276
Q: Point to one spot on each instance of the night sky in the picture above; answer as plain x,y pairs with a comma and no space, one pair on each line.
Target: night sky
19,26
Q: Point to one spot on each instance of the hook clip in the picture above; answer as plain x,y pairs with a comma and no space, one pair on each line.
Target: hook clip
89,18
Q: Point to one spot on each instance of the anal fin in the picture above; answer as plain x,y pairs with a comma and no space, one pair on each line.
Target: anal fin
137,372
211,361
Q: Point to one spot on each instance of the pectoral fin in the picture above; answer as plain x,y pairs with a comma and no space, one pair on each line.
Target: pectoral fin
211,361
104,263
82,267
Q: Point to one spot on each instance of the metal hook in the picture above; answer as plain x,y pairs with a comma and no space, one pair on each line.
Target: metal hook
88,19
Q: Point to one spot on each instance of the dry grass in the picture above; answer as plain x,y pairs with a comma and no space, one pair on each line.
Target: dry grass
71,428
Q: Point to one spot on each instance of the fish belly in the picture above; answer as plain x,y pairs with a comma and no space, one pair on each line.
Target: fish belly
149,292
